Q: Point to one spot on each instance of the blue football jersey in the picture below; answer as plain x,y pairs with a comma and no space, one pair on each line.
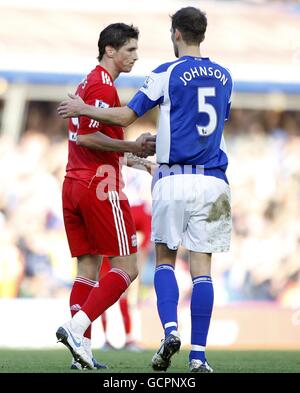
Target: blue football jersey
194,96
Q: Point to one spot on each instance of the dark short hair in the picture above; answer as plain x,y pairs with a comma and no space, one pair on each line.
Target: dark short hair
116,35
192,23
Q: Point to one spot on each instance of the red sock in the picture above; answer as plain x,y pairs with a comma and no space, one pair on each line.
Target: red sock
125,314
79,294
110,288
104,321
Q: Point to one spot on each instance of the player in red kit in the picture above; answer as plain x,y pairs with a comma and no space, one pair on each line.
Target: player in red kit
137,189
96,212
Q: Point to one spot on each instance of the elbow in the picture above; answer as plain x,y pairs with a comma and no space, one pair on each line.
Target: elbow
125,123
127,116
126,120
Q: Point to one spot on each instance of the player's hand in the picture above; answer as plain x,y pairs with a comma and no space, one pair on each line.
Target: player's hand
146,145
71,107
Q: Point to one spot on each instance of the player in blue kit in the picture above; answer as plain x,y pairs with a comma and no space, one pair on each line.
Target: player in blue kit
190,190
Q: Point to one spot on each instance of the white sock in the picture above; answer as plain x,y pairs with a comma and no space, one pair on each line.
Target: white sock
175,333
80,322
128,338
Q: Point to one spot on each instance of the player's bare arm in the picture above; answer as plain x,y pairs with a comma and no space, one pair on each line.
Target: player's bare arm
75,106
143,146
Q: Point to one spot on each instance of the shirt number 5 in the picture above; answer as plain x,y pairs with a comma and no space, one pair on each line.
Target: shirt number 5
204,107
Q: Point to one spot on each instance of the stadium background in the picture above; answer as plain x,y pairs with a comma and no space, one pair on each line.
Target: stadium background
46,49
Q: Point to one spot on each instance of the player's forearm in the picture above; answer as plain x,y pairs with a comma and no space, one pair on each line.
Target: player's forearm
117,116
99,141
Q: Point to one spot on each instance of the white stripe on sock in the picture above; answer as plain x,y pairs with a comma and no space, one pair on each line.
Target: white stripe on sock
198,348
168,267
86,281
122,274
201,281
169,324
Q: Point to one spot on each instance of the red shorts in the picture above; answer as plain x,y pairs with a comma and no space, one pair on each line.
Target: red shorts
97,225
142,220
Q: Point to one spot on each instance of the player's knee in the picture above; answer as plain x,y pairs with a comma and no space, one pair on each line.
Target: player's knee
128,264
88,267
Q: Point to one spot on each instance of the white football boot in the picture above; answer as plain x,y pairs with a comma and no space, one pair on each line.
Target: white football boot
196,366
75,344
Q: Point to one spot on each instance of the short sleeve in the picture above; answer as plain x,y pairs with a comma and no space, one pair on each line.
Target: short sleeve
150,94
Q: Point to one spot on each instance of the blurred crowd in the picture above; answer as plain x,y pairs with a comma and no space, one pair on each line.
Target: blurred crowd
264,172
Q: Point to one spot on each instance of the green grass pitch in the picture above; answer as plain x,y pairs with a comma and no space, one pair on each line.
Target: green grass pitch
58,361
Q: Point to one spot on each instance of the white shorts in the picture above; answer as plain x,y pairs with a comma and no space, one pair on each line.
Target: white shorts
192,210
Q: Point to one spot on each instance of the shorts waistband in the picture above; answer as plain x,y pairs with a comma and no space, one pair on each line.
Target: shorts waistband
165,170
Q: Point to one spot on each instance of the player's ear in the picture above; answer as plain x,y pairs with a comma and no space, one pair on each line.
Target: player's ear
177,35
109,50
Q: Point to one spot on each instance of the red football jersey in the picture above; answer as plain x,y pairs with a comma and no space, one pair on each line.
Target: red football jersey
86,164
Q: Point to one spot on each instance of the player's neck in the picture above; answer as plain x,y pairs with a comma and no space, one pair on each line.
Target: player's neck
189,50
110,67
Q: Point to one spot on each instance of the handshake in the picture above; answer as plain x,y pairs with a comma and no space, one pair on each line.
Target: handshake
145,145
74,106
